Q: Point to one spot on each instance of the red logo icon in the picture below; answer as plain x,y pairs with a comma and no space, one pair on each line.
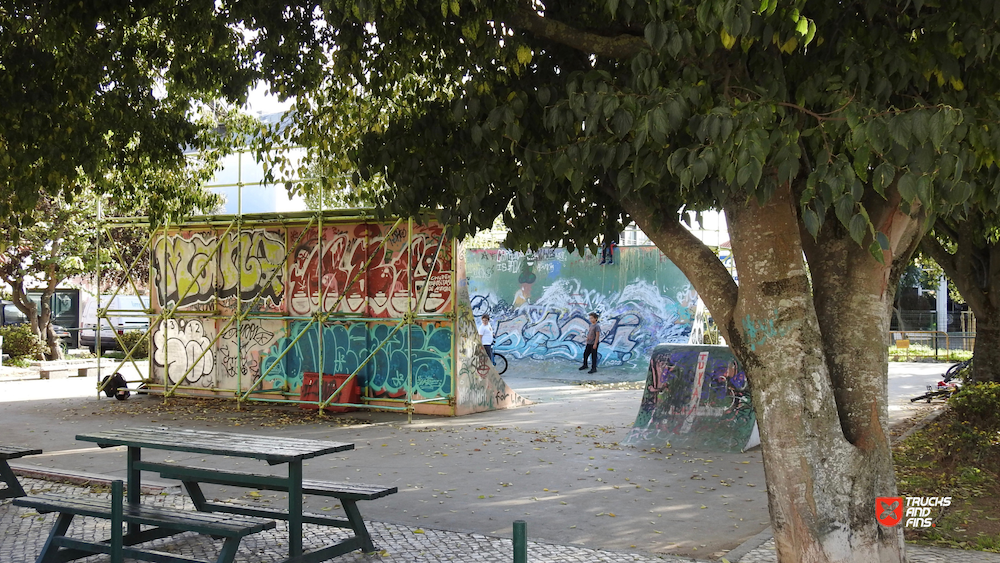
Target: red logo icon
889,510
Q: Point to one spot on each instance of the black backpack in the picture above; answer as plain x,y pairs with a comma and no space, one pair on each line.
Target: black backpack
116,386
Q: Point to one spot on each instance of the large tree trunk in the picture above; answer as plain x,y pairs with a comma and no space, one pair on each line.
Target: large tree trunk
815,350
986,350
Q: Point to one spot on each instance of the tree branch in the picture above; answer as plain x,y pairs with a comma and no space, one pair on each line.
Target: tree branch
971,292
617,47
708,275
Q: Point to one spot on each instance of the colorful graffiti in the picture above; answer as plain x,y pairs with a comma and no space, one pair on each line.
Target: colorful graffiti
260,308
193,269
343,347
332,269
695,396
479,386
540,301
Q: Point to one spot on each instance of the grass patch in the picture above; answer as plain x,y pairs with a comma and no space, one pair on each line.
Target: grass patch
958,455
921,352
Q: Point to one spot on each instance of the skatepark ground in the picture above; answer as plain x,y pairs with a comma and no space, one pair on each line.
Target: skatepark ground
557,464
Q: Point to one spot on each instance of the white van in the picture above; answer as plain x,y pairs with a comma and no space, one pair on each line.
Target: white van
125,313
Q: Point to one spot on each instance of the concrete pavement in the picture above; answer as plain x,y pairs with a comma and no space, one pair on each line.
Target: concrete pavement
556,464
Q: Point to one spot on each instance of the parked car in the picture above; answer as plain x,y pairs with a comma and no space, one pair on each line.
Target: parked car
11,315
126,313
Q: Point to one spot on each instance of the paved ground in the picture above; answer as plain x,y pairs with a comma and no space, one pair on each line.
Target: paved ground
557,465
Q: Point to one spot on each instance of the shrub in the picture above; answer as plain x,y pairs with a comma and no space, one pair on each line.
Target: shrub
129,339
20,342
976,423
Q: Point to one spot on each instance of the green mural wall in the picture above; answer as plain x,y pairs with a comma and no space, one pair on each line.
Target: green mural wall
539,302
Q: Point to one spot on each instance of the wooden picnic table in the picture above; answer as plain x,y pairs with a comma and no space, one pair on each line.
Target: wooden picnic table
274,450
7,476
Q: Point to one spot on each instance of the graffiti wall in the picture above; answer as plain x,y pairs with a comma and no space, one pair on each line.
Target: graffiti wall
540,302
480,386
695,396
254,310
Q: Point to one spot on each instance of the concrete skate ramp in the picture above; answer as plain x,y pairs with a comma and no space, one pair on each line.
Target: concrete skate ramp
696,396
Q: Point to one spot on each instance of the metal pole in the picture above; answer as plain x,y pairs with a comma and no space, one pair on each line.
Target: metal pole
520,541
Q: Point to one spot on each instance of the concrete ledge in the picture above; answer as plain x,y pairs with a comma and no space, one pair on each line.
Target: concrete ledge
749,545
149,486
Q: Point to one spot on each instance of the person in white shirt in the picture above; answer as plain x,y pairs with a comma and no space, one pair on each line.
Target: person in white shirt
486,335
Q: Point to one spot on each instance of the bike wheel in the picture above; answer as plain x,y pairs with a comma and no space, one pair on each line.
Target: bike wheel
501,363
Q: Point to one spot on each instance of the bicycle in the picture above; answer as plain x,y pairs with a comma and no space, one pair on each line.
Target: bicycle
500,362
945,388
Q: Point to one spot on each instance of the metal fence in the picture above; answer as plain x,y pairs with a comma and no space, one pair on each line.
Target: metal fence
932,343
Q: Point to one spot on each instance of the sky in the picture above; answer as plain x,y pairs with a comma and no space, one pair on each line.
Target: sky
260,102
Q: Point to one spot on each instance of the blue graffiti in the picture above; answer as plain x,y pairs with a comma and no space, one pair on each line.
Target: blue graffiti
346,346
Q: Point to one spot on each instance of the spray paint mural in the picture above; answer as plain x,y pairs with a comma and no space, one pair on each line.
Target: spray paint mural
695,396
540,301
252,311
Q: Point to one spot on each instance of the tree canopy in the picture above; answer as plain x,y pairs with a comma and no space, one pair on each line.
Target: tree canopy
96,90
837,130
832,132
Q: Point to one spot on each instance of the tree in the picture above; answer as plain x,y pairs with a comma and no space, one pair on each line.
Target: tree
831,132
967,247
93,90
60,240
47,252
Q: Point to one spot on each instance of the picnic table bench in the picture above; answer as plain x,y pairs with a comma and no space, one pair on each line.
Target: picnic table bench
274,450
348,493
160,521
7,476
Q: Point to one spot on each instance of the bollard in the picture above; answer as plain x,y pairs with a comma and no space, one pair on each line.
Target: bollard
117,492
520,541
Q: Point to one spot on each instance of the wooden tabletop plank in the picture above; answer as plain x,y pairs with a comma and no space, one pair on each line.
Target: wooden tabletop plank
268,448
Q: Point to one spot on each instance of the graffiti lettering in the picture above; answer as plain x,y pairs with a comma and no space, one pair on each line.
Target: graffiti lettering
184,350
343,347
196,270
759,332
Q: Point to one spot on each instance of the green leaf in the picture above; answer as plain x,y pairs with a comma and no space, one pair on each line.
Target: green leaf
700,170
477,133
844,208
937,129
858,227
624,181
924,189
900,129
562,167
908,187
811,221
743,175
661,121
544,94
876,251
811,33
884,173
882,240
802,27
920,124
621,123
674,44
